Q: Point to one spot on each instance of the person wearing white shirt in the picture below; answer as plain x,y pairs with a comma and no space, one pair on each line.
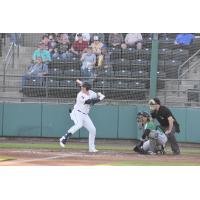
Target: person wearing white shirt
134,40
86,37
86,98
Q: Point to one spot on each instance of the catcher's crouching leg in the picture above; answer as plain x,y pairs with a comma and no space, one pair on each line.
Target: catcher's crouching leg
160,150
138,148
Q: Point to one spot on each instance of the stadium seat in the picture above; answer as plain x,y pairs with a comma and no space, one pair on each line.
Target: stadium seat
129,54
68,83
161,65
72,73
102,84
120,64
144,54
118,84
34,82
51,82
166,43
160,82
140,74
72,63
136,84
34,88
171,68
147,42
164,54
139,64
115,53
193,95
123,73
105,72
180,54
55,72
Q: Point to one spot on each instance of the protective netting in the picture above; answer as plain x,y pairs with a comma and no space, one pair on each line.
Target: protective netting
117,65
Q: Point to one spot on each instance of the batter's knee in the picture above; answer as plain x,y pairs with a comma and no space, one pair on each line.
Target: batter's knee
93,130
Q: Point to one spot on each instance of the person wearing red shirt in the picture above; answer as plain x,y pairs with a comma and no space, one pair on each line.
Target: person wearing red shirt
79,45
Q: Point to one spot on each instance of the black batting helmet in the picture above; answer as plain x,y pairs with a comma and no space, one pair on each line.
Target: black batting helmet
86,85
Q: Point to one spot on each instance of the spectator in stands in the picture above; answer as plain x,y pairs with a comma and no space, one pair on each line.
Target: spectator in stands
43,53
14,38
86,37
36,70
71,37
52,41
101,37
184,39
96,45
46,42
88,63
133,40
63,49
115,39
78,46
104,58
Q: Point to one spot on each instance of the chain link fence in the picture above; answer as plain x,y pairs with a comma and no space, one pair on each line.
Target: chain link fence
46,67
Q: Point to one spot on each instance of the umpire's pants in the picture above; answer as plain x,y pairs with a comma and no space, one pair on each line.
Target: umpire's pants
172,140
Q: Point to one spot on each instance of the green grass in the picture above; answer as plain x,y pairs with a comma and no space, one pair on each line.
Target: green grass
103,147
142,163
3,158
84,146
55,146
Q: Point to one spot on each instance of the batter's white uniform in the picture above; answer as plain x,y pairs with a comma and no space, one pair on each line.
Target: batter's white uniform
81,118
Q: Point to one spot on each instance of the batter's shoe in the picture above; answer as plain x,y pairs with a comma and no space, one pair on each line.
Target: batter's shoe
93,150
64,139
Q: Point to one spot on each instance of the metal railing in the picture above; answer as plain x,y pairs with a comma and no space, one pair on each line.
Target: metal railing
190,67
187,62
10,57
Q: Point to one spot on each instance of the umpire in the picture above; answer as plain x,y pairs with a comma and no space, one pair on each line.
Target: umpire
167,122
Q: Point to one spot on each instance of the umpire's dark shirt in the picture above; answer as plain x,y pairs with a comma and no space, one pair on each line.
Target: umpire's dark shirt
162,116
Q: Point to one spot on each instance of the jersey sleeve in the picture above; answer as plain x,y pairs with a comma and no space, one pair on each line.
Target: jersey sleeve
153,114
93,95
168,113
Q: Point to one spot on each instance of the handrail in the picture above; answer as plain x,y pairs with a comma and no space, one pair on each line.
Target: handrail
7,60
190,58
10,56
191,67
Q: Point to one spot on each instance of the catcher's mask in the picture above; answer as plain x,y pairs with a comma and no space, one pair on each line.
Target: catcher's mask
86,85
140,116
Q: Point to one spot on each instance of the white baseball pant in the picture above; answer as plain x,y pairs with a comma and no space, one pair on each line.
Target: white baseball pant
83,120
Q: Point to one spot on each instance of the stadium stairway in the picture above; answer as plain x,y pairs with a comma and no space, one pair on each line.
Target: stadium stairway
13,74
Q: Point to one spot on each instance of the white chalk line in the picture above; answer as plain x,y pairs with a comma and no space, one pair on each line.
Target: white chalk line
43,158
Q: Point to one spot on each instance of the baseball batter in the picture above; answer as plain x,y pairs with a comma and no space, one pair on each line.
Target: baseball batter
85,99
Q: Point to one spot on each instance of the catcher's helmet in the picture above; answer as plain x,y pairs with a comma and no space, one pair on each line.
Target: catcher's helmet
143,114
86,85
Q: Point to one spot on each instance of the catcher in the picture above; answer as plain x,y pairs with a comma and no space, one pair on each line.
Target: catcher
153,138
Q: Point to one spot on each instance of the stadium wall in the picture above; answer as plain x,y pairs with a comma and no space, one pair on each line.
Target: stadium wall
111,121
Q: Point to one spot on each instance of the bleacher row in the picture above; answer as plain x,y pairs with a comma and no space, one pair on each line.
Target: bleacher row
127,74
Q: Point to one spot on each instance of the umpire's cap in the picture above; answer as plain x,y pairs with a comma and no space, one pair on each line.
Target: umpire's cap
86,85
154,101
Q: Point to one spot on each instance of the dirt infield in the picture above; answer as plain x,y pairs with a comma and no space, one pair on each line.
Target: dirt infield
111,153
71,158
